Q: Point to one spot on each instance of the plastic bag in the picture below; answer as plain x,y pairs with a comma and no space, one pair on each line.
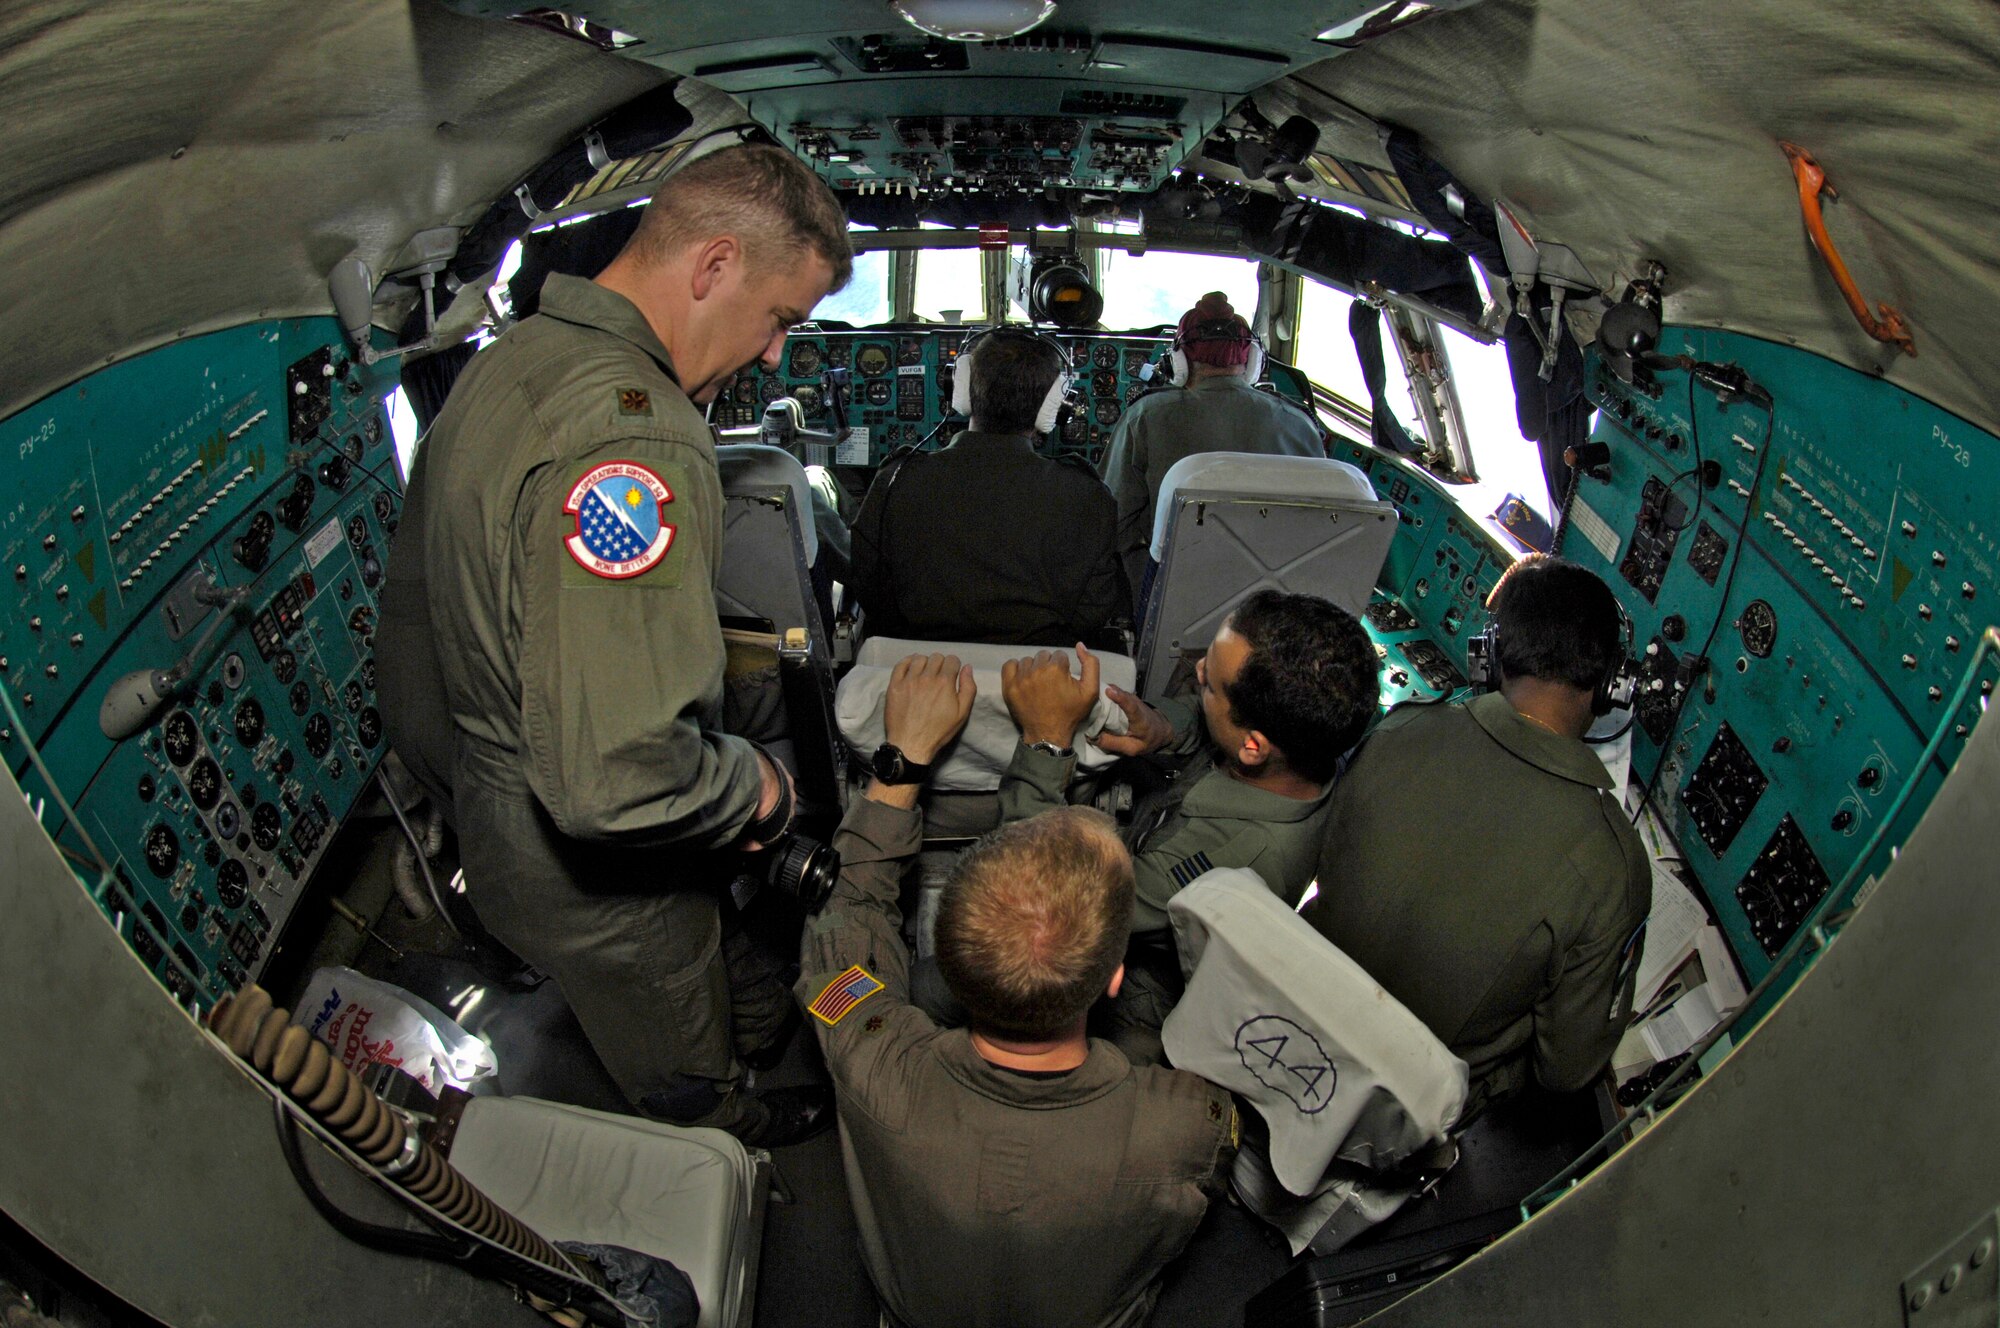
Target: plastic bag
367,1022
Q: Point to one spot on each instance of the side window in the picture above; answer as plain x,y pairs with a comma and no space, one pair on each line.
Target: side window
1326,354
1507,462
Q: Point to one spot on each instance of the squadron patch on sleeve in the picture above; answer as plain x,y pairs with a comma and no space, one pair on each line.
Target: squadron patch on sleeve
621,528
842,994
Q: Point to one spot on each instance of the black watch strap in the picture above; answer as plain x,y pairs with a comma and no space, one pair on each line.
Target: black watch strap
892,767
770,827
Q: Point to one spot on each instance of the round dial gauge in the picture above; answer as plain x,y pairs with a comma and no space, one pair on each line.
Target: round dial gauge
769,390
745,390
878,392
163,850
319,736
249,722
804,360
1759,628
807,397
204,782
232,884
1105,356
368,726
1135,360
1106,411
301,697
180,737
1104,383
872,360
266,823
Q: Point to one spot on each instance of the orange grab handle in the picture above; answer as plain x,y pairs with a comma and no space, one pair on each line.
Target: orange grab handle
1888,326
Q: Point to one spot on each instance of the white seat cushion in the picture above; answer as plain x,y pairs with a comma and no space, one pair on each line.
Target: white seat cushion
684,1195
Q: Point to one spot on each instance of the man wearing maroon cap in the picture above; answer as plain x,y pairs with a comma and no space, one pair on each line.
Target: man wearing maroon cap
1217,408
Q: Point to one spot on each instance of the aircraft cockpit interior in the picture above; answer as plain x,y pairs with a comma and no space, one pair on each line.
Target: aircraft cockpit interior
1685,300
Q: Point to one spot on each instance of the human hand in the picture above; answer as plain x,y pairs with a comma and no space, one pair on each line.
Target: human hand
1044,699
1147,730
929,699
774,787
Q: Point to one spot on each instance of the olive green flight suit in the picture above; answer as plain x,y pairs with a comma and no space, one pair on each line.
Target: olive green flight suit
1201,820
987,1196
1481,869
1210,415
590,785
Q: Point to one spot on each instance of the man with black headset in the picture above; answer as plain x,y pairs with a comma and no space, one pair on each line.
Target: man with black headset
1478,862
987,540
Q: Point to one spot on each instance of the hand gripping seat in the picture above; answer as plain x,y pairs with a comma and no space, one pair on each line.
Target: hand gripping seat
1230,523
1350,1084
694,1197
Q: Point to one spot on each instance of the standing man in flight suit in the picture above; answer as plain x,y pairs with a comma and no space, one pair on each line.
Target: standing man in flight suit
1217,408
555,602
1012,1172
1478,862
1286,688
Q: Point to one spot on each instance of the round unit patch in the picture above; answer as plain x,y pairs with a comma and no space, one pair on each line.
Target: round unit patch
620,527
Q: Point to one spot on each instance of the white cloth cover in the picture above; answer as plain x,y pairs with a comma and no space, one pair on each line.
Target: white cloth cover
684,1195
1246,476
981,755
1278,1015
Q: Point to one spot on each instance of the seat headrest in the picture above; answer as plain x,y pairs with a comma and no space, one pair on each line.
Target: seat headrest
748,468
1252,476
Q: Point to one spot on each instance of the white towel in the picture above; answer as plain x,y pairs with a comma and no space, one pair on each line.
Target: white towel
982,753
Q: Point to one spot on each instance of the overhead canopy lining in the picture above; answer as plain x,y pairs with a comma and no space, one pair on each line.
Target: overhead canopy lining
1633,129
172,168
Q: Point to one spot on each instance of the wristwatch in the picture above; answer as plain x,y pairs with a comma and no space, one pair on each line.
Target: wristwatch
892,767
1060,753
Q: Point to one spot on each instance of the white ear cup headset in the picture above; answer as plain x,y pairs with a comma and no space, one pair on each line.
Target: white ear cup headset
1052,404
1219,330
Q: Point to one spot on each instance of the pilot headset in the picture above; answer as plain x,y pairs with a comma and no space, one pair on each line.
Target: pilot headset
1223,328
1052,404
1614,690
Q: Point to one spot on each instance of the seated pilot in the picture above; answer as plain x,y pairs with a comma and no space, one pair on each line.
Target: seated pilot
1287,686
1478,862
1218,409
986,540
1012,1172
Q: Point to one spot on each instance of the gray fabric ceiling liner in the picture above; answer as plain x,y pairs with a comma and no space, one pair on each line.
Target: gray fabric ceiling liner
1636,129
173,168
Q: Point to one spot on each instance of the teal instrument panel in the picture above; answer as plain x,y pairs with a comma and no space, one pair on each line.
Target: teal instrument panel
899,384
256,460
1803,618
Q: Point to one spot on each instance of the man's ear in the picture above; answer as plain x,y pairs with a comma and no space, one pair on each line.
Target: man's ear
1256,751
714,260
1117,981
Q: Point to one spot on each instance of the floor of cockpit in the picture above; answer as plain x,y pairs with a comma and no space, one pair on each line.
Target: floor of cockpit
810,1272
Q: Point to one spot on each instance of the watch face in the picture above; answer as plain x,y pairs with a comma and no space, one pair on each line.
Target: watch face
887,764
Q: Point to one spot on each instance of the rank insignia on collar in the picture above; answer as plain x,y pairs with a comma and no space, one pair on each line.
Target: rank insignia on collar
842,994
621,529
634,401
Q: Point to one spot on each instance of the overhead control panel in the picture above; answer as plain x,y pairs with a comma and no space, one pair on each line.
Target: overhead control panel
898,382
1101,141
1808,585
219,509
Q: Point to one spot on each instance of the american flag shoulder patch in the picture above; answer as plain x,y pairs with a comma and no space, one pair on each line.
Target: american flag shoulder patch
1187,869
842,994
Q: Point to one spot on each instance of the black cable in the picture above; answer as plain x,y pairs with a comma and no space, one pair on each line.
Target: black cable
1721,608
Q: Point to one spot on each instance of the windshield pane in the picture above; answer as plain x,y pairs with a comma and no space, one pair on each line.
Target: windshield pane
949,281
1155,288
865,298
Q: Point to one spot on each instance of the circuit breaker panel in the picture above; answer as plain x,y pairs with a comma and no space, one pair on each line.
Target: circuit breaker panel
218,509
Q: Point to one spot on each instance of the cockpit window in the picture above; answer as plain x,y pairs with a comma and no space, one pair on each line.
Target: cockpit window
1326,354
949,280
1507,462
864,301
1149,289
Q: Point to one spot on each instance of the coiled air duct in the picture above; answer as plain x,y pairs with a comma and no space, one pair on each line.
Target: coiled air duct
305,1069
